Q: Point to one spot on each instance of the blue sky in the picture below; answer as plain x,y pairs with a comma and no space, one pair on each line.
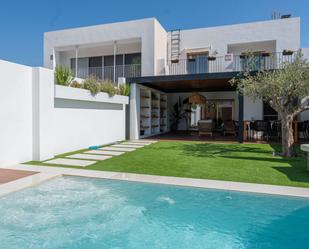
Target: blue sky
22,23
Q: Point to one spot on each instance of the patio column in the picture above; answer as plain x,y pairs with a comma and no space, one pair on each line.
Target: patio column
240,118
76,60
115,51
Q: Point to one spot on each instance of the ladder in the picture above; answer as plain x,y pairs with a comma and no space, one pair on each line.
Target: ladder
175,45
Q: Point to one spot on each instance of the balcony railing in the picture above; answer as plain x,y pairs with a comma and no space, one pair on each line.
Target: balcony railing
109,73
230,63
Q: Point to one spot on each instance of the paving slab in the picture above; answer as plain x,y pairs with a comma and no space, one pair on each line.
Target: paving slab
70,162
110,148
87,156
104,152
143,141
136,143
128,146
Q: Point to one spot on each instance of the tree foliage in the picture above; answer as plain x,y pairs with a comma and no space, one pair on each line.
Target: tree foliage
285,89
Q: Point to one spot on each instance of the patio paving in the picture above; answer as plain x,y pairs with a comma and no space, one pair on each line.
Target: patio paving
103,152
88,156
70,162
8,175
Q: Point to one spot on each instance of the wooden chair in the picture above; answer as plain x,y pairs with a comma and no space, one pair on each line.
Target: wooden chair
205,127
229,128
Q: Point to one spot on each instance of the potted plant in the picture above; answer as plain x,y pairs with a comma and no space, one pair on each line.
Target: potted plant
211,58
287,52
265,54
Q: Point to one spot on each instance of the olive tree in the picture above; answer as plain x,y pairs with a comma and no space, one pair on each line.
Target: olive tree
286,90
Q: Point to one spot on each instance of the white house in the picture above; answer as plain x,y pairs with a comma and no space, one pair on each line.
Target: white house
164,67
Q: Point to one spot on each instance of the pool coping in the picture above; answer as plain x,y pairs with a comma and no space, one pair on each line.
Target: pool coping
47,173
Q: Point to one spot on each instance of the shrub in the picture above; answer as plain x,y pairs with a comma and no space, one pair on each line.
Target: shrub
109,88
92,85
76,84
124,89
63,76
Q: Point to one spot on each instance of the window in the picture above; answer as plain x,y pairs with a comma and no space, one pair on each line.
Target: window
95,61
109,60
132,59
269,112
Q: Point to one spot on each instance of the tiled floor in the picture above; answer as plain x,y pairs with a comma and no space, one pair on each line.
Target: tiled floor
8,175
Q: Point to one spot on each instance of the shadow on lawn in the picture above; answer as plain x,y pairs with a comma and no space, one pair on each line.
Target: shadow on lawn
221,150
294,168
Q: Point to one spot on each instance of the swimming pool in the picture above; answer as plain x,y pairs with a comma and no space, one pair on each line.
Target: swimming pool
76,212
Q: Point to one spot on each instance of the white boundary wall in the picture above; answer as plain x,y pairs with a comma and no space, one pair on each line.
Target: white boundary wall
39,120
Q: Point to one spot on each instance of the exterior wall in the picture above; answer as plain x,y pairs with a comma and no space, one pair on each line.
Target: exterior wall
39,120
160,53
286,33
15,113
253,109
139,29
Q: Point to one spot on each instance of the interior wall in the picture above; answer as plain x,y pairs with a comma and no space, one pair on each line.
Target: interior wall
172,98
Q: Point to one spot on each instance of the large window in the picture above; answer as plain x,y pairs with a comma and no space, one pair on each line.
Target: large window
269,113
197,63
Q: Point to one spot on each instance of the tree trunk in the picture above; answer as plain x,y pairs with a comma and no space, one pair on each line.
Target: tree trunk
287,135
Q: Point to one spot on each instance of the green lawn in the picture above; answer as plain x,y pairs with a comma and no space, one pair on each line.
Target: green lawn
232,162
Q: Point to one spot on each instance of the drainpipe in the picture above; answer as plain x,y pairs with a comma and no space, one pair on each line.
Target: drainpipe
115,51
76,62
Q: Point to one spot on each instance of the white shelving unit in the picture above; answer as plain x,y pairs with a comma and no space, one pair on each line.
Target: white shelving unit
145,113
153,112
163,113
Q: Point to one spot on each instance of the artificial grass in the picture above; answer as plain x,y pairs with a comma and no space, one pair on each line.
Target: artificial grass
253,163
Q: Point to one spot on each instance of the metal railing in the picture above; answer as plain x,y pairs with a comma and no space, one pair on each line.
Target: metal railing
230,63
109,73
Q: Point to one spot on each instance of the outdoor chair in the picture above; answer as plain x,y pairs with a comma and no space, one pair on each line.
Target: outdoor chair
275,130
263,127
229,128
304,129
205,127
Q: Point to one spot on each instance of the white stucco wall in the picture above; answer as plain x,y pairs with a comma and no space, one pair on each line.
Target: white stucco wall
81,120
285,33
15,113
143,29
40,120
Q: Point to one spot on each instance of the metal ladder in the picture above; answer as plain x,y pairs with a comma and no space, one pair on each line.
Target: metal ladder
175,45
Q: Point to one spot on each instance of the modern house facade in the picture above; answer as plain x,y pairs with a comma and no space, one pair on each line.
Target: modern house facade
169,67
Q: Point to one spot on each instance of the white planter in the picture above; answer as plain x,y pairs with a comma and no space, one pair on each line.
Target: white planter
65,92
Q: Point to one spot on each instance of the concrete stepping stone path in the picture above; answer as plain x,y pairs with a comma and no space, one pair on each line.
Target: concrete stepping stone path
136,144
70,162
111,148
104,152
128,146
87,156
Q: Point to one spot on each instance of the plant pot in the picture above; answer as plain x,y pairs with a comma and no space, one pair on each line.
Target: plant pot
265,54
287,52
211,58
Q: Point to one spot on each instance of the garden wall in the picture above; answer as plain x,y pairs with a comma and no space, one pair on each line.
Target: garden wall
39,120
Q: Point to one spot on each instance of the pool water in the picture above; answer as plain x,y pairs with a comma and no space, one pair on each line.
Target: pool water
76,212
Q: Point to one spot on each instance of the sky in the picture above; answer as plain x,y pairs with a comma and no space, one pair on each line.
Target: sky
23,22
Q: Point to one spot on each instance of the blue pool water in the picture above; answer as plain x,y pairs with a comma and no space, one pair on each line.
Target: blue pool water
73,212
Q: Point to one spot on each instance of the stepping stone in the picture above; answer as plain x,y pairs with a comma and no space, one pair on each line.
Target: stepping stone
87,156
110,148
105,152
143,141
136,143
70,162
128,146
